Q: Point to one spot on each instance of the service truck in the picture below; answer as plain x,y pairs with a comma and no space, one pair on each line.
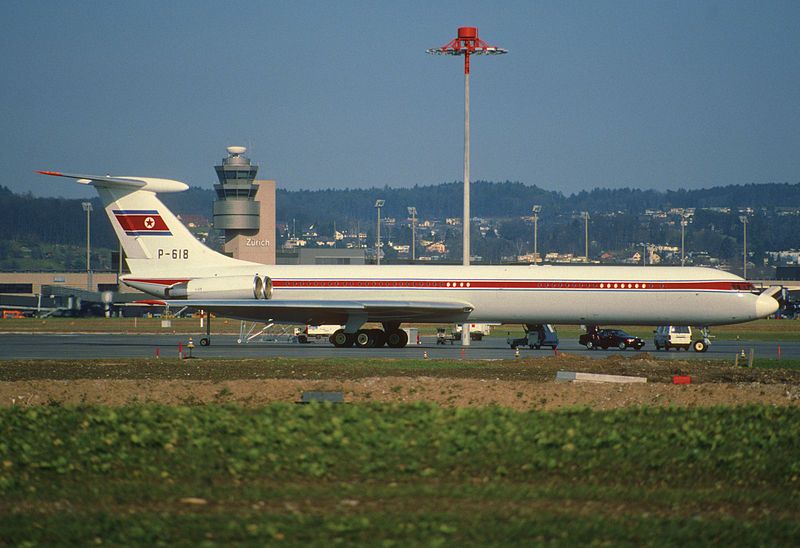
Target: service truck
313,332
477,331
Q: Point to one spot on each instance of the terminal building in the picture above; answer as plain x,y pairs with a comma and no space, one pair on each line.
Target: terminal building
244,209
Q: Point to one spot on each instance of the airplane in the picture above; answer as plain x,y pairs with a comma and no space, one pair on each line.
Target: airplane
166,261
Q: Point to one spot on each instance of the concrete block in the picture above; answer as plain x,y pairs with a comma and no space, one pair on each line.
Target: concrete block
571,376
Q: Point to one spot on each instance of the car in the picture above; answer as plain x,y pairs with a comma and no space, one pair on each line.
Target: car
608,338
443,337
672,336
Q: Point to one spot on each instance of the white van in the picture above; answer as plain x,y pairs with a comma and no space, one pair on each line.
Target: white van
305,334
673,336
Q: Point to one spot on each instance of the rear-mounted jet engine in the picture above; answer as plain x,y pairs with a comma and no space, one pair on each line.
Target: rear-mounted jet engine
222,287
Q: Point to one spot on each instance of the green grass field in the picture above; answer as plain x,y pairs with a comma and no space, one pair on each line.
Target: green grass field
398,475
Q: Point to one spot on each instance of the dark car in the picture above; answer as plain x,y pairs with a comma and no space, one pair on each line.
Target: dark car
608,338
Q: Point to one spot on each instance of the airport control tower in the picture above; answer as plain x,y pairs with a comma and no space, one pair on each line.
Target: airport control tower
245,209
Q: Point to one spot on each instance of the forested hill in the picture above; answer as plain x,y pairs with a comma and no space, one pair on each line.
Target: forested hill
59,220
513,199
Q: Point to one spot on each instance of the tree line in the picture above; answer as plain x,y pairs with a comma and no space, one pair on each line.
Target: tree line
617,216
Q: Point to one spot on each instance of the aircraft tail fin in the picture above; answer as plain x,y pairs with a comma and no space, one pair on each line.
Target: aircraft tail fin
153,238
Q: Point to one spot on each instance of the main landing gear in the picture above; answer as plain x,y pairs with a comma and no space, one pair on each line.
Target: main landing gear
393,337
206,341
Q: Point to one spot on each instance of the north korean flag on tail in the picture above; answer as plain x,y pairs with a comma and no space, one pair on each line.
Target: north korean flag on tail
141,222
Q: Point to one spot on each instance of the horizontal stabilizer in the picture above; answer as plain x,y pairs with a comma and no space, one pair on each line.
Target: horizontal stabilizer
773,291
152,184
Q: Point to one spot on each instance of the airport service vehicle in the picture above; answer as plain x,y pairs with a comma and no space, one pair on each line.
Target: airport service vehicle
309,332
789,311
480,329
680,336
536,336
610,338
443,337
477,331
672,336
166,261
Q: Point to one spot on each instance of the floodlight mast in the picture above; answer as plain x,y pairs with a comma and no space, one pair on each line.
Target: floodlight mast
585,217
744,220
467,44
412,211
536,210
378,206
87,207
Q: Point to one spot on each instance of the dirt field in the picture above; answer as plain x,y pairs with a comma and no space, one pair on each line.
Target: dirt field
446,392
520,384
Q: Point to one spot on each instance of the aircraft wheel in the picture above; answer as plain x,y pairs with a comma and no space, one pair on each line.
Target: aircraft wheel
364,338
340,339
700,346
396,339
205,341
378,338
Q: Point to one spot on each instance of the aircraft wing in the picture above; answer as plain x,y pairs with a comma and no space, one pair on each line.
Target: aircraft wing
332,312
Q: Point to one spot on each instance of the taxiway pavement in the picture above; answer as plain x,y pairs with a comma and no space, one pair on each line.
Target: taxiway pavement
19,346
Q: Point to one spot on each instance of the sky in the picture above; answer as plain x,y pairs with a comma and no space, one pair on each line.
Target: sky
644,94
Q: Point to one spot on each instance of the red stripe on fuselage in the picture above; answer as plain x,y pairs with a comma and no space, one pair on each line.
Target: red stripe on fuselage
495,284
491,284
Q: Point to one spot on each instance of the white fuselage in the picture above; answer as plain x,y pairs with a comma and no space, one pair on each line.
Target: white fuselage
588,295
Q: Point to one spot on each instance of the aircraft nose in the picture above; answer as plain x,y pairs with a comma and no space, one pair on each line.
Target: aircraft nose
766,306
